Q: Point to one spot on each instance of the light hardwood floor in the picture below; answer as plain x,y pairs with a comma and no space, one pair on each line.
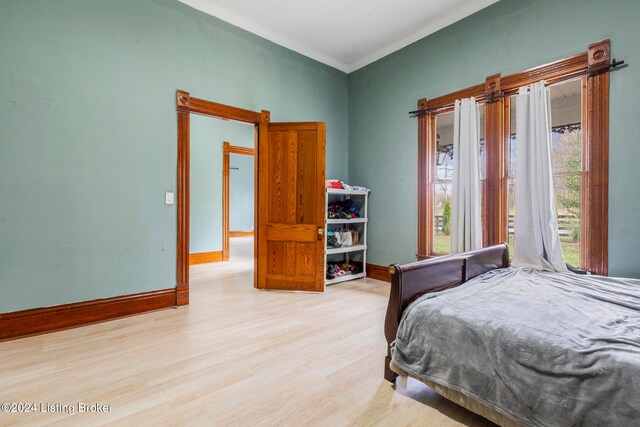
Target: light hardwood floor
234,356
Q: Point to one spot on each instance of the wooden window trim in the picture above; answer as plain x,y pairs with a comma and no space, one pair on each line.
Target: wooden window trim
594,233
495,224
228,149
426,153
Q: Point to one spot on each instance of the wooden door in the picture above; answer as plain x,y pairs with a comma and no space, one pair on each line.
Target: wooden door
291,199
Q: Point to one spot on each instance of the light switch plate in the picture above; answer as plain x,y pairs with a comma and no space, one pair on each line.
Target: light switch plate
168,198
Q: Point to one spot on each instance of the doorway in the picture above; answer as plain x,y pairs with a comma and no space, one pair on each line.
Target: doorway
289,208
187,105
238,198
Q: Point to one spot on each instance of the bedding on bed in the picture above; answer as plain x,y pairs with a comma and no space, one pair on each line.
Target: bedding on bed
545,348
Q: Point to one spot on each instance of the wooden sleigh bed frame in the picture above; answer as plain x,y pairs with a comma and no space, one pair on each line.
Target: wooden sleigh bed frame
410,281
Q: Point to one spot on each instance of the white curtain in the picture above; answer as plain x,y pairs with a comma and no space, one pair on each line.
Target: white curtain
537,240
466,218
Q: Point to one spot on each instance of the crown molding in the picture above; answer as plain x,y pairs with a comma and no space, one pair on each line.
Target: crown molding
469,8
452,16
277,38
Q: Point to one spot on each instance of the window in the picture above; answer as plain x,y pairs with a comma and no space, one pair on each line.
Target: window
442,187
443,183
567,151
579,103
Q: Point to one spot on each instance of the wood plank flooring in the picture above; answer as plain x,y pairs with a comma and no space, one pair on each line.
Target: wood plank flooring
234,357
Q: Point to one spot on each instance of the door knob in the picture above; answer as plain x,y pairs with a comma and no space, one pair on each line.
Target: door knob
320,233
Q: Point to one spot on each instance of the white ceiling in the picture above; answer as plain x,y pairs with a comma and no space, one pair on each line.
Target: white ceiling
345,34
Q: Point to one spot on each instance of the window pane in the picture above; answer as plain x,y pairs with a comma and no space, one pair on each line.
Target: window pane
443,187
511,208
567,188
566,156
444,176
566,149
442,218
566,126
512,140
444,150
483,157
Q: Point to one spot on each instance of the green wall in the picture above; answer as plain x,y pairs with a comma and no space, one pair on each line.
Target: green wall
207,136
241,200
88,135
507,37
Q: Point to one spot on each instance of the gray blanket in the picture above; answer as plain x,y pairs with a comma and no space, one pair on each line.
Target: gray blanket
546,349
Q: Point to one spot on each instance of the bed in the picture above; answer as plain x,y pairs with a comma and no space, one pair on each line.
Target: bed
517,346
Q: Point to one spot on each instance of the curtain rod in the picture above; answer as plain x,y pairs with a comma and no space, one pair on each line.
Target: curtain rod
613,66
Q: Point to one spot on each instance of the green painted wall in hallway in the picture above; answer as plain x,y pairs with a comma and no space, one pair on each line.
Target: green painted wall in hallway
207,137
241,193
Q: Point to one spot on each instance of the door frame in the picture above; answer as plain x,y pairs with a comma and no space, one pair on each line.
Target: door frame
185,106
228,149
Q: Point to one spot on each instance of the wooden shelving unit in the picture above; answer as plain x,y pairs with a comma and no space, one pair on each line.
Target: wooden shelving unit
359,250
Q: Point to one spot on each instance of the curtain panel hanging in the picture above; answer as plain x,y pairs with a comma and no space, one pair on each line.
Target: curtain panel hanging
466,216
537,239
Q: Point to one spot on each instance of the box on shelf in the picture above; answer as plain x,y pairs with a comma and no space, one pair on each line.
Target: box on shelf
343,237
